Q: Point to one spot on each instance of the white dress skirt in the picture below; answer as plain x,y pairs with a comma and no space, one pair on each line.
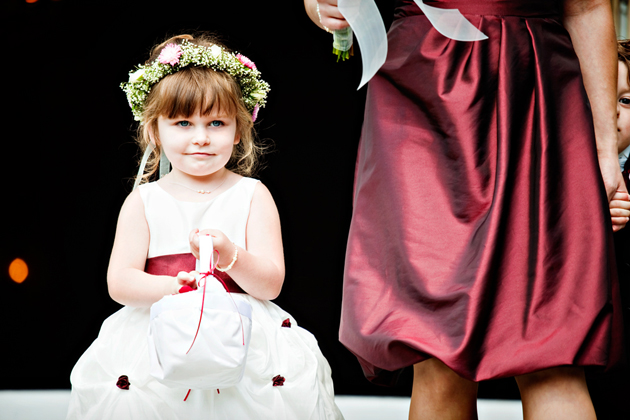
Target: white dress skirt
286,376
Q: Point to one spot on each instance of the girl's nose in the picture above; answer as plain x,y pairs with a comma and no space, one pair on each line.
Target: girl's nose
201,137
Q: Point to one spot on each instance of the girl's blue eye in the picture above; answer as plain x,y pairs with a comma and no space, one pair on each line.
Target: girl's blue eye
625,101
183,123
216,123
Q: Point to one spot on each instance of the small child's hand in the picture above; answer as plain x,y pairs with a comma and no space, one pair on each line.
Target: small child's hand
186,281
620,210
220,242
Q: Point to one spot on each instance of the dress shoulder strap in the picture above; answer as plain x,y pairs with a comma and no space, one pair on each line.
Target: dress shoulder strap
249,185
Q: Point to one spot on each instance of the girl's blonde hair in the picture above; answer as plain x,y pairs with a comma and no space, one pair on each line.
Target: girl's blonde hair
197,89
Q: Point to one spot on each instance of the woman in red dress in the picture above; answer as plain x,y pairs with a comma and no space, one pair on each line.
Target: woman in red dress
481,242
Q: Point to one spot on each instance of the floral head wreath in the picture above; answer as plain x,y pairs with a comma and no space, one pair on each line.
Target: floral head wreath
175,57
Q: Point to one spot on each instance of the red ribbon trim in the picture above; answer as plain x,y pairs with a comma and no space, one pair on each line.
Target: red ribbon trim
203,299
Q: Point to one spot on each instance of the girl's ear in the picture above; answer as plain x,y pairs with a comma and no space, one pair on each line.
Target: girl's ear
154,139
237,137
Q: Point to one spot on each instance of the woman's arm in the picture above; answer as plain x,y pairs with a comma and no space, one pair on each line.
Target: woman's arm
259,270
330,16
590,24
127,282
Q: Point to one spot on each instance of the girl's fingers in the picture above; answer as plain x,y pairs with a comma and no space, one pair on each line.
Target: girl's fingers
192,235
184,277
187,279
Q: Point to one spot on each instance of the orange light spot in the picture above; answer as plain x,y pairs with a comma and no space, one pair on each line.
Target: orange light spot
18,270
31,1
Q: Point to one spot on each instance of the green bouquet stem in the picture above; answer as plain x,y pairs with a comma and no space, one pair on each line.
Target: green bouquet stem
342,43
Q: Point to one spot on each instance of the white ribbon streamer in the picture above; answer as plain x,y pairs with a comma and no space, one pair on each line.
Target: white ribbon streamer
165,165
451,23
367,24
143,163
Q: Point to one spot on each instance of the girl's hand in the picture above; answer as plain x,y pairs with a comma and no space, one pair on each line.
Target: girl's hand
186,281
329,16
220,242
259,269
620,210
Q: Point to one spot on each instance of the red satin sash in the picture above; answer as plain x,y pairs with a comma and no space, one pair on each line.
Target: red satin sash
170,265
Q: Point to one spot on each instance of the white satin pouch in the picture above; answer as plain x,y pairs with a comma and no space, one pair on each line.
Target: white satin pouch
185,352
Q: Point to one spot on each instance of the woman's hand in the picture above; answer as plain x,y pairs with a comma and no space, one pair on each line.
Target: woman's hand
329,18
618,198
611,175
620,210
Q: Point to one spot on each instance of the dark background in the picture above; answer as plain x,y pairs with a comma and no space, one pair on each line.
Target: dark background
68,157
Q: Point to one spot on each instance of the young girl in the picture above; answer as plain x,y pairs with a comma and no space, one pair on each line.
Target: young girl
197,102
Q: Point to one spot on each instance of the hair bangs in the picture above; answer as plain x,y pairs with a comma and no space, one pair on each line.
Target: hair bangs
197,91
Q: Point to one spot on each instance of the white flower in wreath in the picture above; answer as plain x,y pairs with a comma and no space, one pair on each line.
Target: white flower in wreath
215,50
258,95
136,75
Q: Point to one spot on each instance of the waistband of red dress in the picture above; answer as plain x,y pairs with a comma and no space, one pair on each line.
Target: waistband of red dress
524,8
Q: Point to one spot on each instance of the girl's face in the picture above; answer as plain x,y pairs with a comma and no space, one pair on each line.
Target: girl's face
623,108
199,145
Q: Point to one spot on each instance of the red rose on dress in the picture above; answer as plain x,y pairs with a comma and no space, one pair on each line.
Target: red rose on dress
123,382
286,323
278,380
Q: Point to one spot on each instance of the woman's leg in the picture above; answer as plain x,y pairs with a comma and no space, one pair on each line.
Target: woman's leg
441,394
556,393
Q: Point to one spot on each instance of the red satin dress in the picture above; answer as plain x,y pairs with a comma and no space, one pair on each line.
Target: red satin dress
481,232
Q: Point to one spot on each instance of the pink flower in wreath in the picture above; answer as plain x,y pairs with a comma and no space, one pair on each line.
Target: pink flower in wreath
255,113
170,54
246,61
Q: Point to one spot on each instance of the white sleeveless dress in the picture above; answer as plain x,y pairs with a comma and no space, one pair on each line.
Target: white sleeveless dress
275,351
